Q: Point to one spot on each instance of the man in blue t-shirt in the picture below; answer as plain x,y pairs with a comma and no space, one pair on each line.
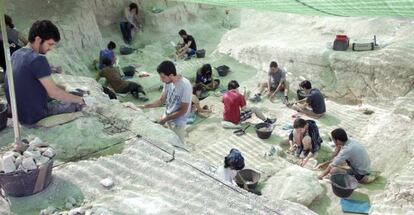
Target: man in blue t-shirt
32,78
313,104
107,53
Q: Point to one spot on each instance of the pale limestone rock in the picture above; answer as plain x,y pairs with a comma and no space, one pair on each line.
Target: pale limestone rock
29,164
77,211
41,160
48,211
32,154
18,160
8,163
294,184
49,153
37,142
72,200
107,182
68,205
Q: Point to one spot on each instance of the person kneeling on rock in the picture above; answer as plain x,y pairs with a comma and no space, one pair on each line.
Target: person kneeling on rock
304,140
313,104
113,77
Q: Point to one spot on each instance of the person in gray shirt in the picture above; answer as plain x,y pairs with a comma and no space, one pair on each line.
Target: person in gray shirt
176,94
276,82
351,152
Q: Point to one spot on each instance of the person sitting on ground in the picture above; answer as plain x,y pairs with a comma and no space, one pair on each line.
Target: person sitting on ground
15,39
107,53
276,82
190,47
113,77
304,140
233,163
196,106
314,100
233,103
32,78
205,77
129,23
176,95
353,153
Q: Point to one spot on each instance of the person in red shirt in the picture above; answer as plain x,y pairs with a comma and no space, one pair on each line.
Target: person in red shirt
235,109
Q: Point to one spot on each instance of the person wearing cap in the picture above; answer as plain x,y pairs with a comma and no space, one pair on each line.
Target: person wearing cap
313,105
235,109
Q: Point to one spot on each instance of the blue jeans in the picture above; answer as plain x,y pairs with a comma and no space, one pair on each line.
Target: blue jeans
126,29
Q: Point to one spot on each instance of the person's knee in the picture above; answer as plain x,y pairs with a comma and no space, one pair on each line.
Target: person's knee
307,143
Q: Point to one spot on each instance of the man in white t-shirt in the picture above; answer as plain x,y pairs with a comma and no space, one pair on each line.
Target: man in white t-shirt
176,95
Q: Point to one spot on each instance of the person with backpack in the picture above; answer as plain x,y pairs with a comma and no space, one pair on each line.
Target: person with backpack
304,140
107,53
233,163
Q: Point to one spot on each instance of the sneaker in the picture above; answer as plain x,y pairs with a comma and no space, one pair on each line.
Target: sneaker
270,121
367,179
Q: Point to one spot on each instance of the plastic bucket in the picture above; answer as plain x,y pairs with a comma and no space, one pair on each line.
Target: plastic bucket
263,130
249,177
21,183
3,116
343,184
223,70
201,53
129,71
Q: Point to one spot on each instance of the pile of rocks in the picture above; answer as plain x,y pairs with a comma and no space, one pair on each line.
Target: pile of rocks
35,153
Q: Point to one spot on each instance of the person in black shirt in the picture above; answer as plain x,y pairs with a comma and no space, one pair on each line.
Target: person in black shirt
190,47
313,104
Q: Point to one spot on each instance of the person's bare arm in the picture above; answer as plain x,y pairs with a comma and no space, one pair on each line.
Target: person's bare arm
199,109
98,76
57,93
183,110
156,103
325,172
305,160
23,39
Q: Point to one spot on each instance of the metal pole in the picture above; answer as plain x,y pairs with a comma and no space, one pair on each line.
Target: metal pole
9,73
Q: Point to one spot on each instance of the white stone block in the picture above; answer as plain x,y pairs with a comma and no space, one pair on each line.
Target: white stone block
77,211
49,153
8,163
32,154
107,182
29,164
41,160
